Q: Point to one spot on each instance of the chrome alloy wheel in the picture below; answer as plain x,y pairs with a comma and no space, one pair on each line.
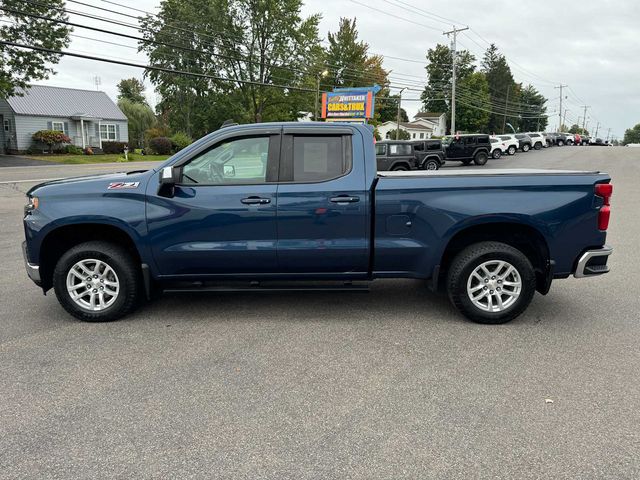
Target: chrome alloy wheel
92,284
494,286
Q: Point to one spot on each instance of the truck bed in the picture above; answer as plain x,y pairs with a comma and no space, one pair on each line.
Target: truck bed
483,172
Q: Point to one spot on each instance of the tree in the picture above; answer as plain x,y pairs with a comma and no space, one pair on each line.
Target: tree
436,96
131,89
401,133
472,112
247,43
503,91
632,135
19,67
533,116
387,109
575,128
140,117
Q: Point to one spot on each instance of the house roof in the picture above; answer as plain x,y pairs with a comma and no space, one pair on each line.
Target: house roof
48,101
415,126
427,115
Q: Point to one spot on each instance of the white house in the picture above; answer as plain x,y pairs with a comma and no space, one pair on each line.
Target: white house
424,125
86,116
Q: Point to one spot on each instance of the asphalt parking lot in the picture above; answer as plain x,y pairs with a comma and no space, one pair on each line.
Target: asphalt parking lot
391,384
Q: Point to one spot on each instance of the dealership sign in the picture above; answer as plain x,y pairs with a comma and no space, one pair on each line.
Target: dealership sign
349,104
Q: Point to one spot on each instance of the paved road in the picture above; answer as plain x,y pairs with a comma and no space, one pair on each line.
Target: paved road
394,384
18,161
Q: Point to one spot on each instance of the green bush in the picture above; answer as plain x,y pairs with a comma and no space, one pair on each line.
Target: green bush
160,145
180,140
113,147
73,150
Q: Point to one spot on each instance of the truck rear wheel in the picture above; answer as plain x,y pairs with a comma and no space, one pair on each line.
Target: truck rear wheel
491,282
97,281
480,158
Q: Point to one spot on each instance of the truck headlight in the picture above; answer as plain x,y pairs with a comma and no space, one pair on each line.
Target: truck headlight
33,204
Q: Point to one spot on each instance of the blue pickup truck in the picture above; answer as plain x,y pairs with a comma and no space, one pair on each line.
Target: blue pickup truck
301,206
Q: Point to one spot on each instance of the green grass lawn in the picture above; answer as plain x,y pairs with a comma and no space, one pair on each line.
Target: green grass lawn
109,158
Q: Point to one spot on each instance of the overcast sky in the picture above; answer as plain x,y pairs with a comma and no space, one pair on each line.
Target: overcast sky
591,45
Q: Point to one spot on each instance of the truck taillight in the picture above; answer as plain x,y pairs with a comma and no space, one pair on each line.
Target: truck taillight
604,190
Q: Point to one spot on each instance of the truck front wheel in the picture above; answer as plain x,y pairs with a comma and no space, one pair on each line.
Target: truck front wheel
97,281
491,282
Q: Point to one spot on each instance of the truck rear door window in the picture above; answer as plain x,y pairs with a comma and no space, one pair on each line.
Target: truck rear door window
320,158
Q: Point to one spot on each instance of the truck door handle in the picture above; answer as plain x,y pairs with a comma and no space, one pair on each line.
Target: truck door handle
344,199
255,201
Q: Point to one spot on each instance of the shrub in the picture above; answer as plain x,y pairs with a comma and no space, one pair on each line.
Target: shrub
50,138
73,150
160,145
113,147
180,140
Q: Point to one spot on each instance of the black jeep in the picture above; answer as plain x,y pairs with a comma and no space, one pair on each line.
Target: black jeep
430,153
402,155
467,148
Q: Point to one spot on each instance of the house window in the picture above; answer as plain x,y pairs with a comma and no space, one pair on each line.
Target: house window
414,135
421,134
57,126
7,126
108,132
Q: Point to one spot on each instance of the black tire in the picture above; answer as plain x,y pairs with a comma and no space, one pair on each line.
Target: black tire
538,146
124,266
526,147
512,150
481,158
468,260
400,168
431,165
497,153
560,143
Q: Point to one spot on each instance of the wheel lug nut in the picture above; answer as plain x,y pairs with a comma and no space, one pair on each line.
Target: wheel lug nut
499,281
101,288
102,280
490,291
95,276
95,290
485,288
493,278
499,289
486,280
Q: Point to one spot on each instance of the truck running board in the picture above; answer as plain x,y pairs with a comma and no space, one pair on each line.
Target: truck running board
193,287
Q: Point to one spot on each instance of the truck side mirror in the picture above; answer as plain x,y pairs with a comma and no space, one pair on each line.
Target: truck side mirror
169,176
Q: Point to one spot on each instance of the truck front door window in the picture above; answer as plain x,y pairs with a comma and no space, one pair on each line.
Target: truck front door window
233,162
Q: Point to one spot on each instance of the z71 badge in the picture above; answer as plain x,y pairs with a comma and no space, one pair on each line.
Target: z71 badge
121,185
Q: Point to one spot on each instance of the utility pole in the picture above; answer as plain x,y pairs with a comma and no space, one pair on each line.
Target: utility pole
597,128
398,122
608,133
561,86
564,117
454,55
324,73
584,119
504,118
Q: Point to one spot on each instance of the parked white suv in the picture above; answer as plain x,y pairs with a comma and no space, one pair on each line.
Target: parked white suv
498,147
511,143
537,140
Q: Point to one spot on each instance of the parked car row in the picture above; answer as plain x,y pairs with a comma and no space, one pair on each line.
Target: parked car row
431,154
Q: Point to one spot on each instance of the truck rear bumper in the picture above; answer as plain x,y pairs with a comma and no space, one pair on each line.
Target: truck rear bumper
32,270
593,262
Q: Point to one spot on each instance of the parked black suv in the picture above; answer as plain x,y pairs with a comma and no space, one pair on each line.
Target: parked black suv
467,148
396,155
430,153
525,141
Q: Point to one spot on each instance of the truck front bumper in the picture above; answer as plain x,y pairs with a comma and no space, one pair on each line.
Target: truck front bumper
593,262
32,270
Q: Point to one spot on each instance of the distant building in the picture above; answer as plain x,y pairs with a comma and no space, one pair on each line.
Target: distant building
424,125
87,117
